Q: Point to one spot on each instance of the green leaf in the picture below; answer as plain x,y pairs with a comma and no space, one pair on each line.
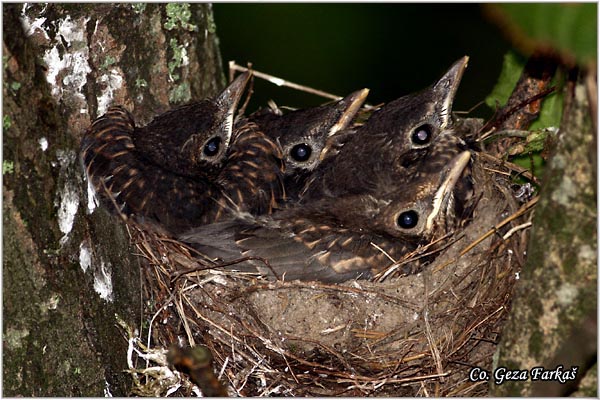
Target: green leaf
551,110
512,68
550,113
569,29
531,161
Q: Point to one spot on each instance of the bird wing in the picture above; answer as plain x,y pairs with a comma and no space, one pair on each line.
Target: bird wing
130,185
252,177
295,250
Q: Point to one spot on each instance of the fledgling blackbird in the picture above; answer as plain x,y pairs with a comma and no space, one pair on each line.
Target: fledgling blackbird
304,134
400,179
386,151
252,177
333,240
193,139
177,170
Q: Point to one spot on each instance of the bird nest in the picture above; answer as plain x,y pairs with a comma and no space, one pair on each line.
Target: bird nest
415,335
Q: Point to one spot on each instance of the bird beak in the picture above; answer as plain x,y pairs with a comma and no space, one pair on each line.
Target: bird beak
347,109
227,103
454,171
343,111
447,86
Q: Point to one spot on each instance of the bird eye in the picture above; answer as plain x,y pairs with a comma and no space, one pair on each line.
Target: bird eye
211,147
408,219
301,152
422,135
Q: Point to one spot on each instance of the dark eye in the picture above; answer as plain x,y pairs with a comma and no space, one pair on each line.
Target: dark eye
422,135
301,152
211,147
408,219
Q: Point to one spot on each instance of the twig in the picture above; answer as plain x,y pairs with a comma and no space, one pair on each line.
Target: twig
404,380
489,233
282,82
516,228
163,307
467,331
384,252
520,170
470,110
435,353
506,113
416,255
178,274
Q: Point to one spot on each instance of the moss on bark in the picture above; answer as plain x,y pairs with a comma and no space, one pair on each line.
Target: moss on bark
550,322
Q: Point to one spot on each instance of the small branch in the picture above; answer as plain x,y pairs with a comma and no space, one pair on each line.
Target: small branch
282,82
489,233
515,229
520,170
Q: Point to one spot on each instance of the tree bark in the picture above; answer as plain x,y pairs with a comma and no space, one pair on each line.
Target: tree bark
69,269
553,316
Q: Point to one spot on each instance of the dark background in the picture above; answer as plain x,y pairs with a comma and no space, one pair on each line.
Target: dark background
392,49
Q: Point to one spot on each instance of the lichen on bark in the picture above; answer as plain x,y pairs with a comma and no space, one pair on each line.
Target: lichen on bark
556,296
69,267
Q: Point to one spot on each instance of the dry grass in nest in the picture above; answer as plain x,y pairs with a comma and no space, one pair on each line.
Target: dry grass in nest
416,335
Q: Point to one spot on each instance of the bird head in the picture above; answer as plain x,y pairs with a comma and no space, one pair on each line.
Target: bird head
303,133
430,204
193,139
409,126
386,151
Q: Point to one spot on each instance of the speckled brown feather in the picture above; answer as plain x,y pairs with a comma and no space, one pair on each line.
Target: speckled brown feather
336,240
382,154
347,223
174,189
253,172
131,186
310,127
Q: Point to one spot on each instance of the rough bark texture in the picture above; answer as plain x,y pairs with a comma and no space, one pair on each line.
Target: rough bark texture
69,268
553,317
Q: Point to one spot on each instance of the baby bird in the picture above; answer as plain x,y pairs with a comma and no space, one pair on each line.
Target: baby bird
384,152
355,236
177,171
304,134
393,183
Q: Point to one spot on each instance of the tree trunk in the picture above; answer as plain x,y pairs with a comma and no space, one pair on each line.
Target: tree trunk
70,272
553,316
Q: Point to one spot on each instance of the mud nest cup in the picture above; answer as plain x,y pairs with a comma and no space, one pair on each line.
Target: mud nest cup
403,336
